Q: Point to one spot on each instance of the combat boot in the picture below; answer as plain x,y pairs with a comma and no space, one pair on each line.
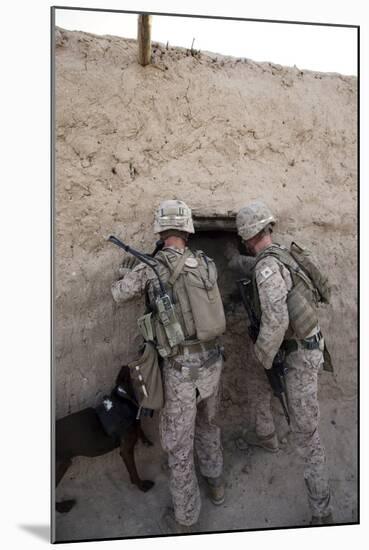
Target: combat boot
269,443
325,520
216,489
169,524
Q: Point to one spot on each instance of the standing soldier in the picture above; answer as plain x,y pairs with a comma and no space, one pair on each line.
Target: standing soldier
187,340
285,309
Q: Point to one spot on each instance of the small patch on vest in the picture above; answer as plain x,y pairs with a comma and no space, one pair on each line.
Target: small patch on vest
191,262
108,404
266,273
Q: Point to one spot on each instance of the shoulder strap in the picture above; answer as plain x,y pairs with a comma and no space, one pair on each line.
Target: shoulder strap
178,266
283,255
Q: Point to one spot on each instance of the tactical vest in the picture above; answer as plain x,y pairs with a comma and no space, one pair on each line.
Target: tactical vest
193,289
304,296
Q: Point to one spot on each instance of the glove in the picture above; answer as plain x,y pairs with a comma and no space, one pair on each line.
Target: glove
127,265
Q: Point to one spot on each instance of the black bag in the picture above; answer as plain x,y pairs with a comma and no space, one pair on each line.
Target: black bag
116,415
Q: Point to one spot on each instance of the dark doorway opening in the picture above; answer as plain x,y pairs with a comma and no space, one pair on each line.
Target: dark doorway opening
213,236
214,244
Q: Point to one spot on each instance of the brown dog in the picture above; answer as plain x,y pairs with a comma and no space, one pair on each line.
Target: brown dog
82,434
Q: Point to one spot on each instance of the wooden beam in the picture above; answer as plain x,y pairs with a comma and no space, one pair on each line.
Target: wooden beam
144,39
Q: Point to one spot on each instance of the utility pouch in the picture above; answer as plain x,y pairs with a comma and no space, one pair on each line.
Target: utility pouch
146,327
146,379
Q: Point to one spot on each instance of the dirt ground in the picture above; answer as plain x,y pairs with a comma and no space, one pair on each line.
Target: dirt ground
262,490
216,132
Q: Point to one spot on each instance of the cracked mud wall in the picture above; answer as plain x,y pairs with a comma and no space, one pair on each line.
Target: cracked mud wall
216,132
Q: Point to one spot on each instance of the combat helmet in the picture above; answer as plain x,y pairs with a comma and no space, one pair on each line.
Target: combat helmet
252,219
173,214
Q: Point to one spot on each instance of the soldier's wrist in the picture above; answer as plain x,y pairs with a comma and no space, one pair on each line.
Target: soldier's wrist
262,357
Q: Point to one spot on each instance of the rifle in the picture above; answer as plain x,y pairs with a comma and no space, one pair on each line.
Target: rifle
145,258
275,375
164,304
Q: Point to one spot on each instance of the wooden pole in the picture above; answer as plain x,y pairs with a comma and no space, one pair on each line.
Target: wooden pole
144,39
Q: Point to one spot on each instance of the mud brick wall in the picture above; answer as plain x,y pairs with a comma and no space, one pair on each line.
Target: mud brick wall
216,132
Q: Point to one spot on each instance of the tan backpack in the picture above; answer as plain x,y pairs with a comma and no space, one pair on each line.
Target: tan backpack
200,282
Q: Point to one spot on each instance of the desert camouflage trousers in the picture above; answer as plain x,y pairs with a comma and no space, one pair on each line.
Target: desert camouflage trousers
187,423
302,391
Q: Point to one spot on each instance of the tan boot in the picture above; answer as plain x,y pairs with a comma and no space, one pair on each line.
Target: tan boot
269,443
325,520
216,489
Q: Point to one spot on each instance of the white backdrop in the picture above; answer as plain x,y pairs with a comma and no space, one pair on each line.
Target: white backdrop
330,49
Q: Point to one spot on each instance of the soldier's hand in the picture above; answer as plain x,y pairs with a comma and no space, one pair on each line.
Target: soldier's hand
127,265
230,250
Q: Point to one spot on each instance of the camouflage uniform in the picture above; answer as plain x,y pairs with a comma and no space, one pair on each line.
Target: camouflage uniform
273,283
187,421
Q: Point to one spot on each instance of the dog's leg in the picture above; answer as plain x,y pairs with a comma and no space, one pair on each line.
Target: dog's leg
63,506
127,446
61,467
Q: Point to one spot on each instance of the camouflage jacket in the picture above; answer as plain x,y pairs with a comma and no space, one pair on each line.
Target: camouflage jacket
134,283
273,282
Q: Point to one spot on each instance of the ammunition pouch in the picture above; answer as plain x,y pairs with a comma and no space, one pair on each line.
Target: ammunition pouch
162,343
145,325
168,320
164,336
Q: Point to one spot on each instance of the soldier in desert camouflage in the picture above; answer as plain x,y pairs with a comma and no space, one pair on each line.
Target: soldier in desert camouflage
191,370
272,284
